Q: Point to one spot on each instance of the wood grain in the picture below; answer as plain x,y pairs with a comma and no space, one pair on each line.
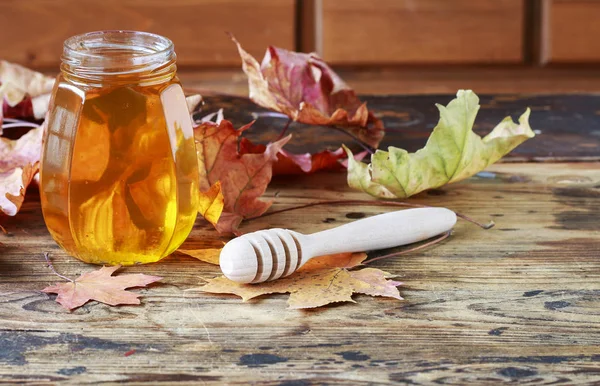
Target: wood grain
568,126
519,303
424,31
429,80
574,31
37,28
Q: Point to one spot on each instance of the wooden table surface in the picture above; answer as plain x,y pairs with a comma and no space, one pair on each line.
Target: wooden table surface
517,303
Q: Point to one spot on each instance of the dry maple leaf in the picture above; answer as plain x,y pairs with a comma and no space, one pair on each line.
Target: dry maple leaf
289,163
303,87
19,162
99,285
243,177
321,281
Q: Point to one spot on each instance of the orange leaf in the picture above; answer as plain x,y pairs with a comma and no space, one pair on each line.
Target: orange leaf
211,203
244,177
321,281
19,162
339,260
99,285
303,87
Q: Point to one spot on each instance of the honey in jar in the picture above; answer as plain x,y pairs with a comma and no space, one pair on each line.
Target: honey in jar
119,175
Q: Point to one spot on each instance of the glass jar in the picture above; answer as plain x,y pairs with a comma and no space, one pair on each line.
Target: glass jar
119,174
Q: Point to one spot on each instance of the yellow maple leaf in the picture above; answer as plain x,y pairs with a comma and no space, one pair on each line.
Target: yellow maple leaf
208,255
321,281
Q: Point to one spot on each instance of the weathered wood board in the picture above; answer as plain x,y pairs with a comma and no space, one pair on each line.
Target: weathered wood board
517,303
520,302
567,126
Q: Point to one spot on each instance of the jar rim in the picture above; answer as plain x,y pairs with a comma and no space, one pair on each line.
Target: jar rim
118,56
146,46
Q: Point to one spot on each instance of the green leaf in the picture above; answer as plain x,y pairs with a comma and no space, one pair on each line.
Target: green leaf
453,152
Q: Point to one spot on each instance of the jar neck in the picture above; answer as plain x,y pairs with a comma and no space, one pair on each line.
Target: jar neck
118,57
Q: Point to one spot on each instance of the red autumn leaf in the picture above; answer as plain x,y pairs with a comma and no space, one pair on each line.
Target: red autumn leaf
303,87
25,93
19,162
99,285
244,177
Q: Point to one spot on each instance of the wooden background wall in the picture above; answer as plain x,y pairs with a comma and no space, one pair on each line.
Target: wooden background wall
345,32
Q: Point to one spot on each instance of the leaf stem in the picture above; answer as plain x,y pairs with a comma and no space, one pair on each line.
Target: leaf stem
489,225
287,125
365,147
51,266
372,202
439,239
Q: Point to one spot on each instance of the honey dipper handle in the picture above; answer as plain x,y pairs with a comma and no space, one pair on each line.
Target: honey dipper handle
382,231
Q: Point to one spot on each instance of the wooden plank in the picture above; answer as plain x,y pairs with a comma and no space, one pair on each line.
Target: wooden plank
574,31
424,31
309,14
37,28
568,126
515,304
431,80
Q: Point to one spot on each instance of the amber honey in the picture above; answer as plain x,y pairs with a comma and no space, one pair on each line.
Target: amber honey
119,176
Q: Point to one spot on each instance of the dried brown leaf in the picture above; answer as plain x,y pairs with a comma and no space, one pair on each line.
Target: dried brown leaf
243,177
303,87
321,281
101,286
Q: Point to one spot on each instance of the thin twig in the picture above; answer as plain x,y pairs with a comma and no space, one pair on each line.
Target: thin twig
287,125
51,266
366,147
469,219
338,202
444,236
3,230
376,203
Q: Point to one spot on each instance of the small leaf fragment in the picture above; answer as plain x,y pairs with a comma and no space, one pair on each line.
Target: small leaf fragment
378,285
19,162
339,260
193,101
17,82
211,203
208,255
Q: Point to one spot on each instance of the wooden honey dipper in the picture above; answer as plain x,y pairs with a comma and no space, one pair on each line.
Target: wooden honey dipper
273,253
